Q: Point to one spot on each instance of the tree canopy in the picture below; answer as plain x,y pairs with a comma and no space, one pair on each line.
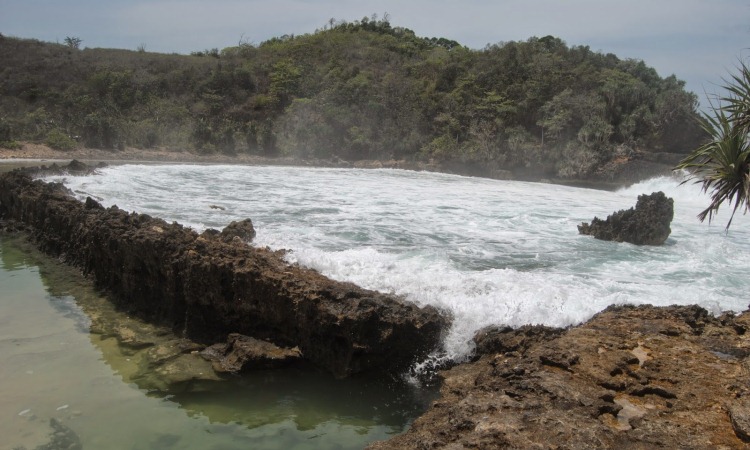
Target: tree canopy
355,90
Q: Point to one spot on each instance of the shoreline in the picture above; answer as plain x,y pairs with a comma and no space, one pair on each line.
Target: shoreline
621,176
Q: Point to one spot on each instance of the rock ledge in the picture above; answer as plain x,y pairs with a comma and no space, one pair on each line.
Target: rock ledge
205,287
630,378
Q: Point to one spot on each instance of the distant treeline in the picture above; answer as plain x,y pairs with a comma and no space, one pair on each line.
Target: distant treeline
352,90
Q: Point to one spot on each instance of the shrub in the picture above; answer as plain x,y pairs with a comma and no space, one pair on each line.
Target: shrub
10,145
58,140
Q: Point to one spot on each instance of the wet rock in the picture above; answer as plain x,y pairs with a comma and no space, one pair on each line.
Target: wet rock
243,230
647,224
173,365
242,353
204,288
614,382
184,372
62,438
74,167
506,339
210,233
90,203
133,334
166,351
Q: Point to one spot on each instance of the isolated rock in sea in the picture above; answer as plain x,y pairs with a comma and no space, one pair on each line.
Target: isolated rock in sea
647,224
242,353
205,288
630,378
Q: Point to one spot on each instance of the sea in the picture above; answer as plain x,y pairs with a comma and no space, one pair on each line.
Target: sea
484,252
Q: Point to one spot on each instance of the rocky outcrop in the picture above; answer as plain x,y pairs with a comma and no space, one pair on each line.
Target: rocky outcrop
74,167
205,288
632,377
647,224
242,230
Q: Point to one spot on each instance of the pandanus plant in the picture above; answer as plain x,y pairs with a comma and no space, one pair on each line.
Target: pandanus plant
722,165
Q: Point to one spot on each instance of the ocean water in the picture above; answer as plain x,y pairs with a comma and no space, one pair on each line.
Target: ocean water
486,252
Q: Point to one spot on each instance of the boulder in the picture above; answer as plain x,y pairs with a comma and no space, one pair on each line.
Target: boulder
647,224
243,230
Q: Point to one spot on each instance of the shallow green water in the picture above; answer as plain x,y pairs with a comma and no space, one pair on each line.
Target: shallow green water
57,376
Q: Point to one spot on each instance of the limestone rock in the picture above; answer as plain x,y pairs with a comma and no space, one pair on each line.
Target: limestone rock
739,413
243,229
205,288
647,224
181,373
630,378
74,167
242,353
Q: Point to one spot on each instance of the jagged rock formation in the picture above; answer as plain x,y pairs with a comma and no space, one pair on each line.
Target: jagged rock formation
74,167
206,288
647,224
630,378
242,353
242,230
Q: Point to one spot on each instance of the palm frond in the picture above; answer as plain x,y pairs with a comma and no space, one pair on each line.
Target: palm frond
737,103
722,165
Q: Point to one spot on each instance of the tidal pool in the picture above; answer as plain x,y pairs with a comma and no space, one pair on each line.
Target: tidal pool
67,382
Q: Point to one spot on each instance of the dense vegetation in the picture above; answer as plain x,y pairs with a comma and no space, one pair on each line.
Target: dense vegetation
352,90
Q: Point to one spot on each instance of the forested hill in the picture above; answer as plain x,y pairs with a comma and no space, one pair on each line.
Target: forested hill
352,91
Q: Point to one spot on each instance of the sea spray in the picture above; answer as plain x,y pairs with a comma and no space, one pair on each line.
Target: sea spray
487,252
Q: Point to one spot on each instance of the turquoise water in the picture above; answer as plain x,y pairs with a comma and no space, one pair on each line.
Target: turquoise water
56,375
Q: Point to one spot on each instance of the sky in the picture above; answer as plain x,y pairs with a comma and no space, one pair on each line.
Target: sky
699,41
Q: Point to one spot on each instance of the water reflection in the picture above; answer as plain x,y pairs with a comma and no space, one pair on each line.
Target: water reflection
74,367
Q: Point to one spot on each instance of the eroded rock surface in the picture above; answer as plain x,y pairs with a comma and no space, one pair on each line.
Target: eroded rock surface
630,378
205,288
242,353
647,224
242,230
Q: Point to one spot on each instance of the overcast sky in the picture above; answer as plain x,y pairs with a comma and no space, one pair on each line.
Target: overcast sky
699,41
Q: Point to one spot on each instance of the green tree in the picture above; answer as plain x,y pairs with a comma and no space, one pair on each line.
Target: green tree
722,165
73,42
285,79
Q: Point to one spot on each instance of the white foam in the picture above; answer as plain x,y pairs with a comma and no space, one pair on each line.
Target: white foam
488,252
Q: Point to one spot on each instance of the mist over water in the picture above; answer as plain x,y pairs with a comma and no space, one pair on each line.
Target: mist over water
488,252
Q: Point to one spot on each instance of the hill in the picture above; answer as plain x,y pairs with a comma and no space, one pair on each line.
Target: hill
356,91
